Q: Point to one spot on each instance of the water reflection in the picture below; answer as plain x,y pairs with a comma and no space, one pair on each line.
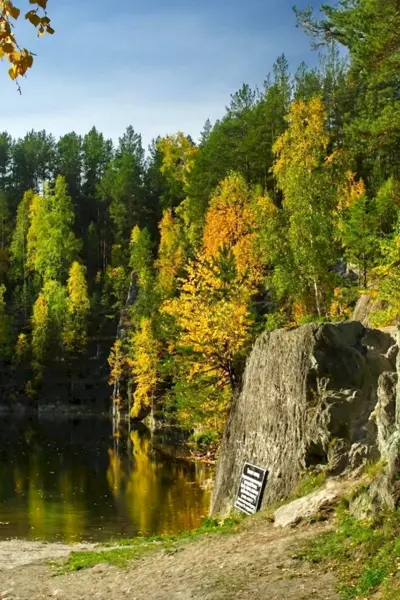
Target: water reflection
71,480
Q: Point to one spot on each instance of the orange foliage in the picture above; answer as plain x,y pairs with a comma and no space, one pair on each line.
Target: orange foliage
230,223
350,192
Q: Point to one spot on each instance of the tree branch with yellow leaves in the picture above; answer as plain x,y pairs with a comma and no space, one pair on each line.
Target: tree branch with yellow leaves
21,59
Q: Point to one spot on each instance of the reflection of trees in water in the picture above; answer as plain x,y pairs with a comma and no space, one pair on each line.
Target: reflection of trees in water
44,495
54,490
158,492
73,494
58,509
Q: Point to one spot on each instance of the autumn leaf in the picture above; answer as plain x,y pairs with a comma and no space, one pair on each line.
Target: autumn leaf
21,61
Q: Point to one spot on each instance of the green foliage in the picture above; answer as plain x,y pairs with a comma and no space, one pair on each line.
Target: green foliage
309,482
365,553
372,470
114,285
40,329
308,175
18,247
274,320
205,439
199,402
141,262
369,31
360,237
52,245
121,188
388,275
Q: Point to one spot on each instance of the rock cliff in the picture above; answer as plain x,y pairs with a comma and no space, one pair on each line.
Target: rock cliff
310,398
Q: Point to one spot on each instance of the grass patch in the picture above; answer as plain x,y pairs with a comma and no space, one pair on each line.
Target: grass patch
120,552
372,470
118,557
366,555
309,482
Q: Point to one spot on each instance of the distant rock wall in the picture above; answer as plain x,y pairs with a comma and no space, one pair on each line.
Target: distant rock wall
308,399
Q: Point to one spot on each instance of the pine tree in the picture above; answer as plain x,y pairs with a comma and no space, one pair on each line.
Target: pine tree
6,336
18,256
5,230
122,190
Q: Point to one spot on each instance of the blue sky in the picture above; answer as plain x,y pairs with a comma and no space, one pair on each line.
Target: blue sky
159,65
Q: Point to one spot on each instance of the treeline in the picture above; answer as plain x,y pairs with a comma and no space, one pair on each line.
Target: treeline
67,208
284,212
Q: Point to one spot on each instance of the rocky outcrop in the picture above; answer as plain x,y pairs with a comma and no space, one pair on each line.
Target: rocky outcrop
318,396
310,507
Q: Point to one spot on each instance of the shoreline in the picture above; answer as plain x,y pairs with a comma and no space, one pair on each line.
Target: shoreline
174,445
252,560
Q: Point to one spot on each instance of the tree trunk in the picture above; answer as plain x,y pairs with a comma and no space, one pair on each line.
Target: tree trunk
317,299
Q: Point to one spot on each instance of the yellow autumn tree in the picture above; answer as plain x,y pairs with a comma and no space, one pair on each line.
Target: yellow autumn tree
171,256
78,306
22,348
117,363
144,365
40,329
349,192
230,223
212,311
21,59
37,221
214,321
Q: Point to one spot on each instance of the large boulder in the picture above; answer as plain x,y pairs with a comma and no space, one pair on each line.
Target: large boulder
308,399
311,506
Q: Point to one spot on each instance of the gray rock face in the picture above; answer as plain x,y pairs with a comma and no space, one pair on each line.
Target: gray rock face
384,490
307,398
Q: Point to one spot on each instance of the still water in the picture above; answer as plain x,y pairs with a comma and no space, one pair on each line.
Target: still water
70,480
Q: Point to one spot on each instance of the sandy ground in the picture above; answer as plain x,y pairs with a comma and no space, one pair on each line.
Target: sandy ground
17,553
258,563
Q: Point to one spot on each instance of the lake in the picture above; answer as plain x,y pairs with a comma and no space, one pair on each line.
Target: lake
71,480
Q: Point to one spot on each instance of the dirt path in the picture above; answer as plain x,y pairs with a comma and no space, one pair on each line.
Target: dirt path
255,564
17,553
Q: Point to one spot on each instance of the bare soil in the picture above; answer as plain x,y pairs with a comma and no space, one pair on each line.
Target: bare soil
257,563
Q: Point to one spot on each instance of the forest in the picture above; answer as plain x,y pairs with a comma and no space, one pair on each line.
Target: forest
285,211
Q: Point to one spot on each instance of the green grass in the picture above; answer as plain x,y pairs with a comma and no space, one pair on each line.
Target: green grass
118,557
366,556
120,552
309,482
